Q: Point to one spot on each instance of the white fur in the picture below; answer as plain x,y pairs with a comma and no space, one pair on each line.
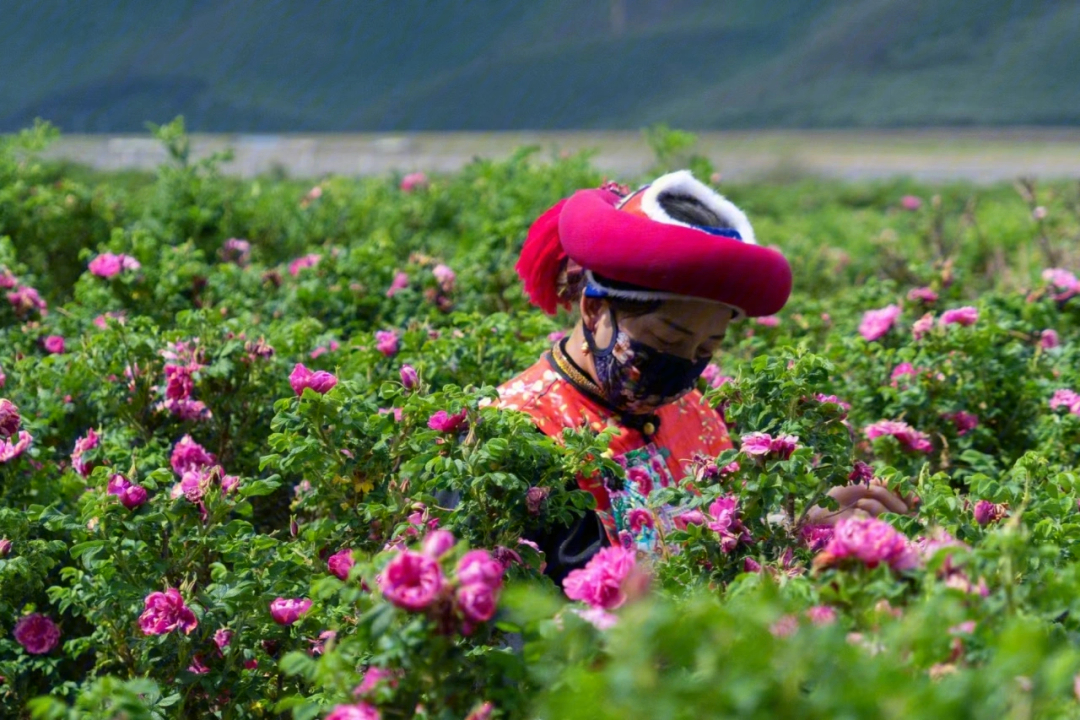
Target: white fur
682,182
737,312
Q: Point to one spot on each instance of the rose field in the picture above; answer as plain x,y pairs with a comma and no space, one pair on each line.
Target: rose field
251,467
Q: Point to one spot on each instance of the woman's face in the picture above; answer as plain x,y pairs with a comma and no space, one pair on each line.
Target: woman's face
688,328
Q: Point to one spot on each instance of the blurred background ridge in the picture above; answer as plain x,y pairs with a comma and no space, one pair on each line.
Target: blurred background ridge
452,65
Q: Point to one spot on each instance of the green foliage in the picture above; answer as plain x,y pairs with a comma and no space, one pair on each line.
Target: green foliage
732,626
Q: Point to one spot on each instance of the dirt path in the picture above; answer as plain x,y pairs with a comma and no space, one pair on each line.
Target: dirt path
933,155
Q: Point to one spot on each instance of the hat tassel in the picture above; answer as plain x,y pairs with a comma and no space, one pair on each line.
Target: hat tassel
540,260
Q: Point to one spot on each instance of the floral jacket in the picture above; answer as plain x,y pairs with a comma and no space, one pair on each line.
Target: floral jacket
683,433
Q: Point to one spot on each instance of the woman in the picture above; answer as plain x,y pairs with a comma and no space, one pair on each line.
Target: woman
658,275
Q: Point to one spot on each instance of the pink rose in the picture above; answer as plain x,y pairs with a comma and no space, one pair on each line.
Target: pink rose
714,376
107,265
477,601
483,712
597,617
414,181
321,381
861,473
412,581
223,637
687,518
286,611
922,294
600,582
54,344
386,342
964,421
189,455
987,512
130,494
445,422
908,436
11,450
82,445
821,615
1061,279
236,251
535,497
875,323
922,326
959,316
1049,339
478,566
910,203
165,612
10,420
759,443
340,563
360,711
301,263
409,377
870,541
445,277
198,666
36,633
832,400
724,521
554,337
1067,399
437,543
373,676
400,282
25,299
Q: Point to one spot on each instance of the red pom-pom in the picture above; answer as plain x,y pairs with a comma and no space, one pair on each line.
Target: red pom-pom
540,259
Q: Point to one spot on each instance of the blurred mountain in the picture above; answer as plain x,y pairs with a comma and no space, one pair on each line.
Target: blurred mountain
399,65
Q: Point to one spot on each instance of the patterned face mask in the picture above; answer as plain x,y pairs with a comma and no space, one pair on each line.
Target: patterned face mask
638,378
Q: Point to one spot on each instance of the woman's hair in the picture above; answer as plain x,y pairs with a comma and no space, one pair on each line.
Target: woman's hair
571,283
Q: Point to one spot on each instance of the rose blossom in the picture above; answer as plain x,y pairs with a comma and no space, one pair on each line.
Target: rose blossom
922,294
54,344
386,342
189,455
445,277
687,518
908,436
286,611
5,547
556,336
24,299
870,541
964,421
1064,281
832,399
131,495
1049,339
10,420
409,377
821,615
373,676
360,711
223,637
759,443
597,617
861,473
36,633
107,265
300,263
414,181
437,543
922,326
1066,398
911,202
340,563
478,566
600,582
236,250
987,512
477,601
412,581
535,497
198,666
875,323
165,612
11,450
959,316
714,376
321,382
400,282
88,442
445,422
483,712
724,521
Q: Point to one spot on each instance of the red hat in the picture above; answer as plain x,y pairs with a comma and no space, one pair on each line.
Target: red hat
634,240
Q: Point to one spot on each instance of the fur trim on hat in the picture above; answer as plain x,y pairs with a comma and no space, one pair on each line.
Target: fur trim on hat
681,182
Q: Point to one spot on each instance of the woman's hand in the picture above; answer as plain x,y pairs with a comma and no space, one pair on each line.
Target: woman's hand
872,499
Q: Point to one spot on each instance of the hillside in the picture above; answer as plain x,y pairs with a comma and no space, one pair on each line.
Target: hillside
233,66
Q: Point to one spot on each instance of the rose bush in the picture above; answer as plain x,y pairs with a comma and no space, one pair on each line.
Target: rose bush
249,465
